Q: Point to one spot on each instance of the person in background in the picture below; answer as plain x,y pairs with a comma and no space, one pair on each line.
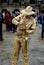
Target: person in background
16,12
8,21
4,11
36,18
1,21
41,22
22,3
26,26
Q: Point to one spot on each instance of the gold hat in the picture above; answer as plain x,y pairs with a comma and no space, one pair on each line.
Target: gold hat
27,11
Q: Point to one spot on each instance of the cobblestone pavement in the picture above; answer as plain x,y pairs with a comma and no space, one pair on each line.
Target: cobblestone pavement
35,50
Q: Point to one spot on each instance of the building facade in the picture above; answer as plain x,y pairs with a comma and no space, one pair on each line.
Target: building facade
28,2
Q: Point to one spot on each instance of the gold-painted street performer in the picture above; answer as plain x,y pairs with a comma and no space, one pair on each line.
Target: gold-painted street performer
25,26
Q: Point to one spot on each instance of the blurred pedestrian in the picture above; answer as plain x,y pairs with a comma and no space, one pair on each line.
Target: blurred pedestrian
36,18
8,21
26,26
41,21
16,12
4,11
23,3
1,21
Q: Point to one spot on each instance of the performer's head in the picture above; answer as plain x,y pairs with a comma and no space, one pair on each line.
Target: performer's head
28,11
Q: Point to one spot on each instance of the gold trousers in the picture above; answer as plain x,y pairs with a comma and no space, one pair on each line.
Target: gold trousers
20,42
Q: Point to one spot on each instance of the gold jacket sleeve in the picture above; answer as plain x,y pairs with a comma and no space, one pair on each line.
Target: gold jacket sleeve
16,20
33,27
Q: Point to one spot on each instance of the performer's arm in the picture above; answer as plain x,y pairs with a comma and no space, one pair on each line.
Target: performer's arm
16,20
32,28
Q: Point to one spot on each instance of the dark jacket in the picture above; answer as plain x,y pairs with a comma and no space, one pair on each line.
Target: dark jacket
1,21
41,20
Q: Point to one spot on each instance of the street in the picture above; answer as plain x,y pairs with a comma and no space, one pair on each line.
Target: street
35,50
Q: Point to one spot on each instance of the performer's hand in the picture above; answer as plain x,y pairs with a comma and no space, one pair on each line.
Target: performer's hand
21,22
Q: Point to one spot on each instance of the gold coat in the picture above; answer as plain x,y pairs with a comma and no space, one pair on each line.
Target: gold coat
26,25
